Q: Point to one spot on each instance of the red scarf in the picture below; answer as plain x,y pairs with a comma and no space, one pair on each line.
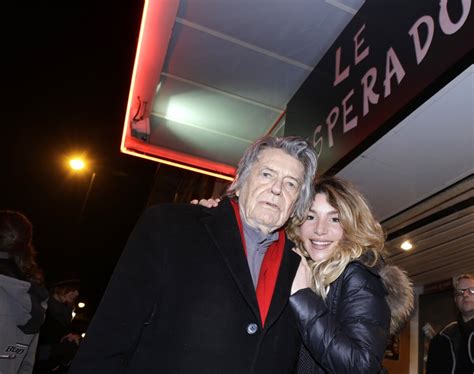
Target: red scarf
269,269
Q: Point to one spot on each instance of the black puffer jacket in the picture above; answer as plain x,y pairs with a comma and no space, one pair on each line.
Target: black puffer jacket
348,333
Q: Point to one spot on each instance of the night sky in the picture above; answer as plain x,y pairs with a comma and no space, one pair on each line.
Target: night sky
67,69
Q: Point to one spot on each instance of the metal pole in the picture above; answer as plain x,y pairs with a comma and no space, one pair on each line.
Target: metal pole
84,203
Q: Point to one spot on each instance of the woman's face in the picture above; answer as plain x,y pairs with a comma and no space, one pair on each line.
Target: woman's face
322,230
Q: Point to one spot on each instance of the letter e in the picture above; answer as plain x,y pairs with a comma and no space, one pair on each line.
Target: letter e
346,111
358,57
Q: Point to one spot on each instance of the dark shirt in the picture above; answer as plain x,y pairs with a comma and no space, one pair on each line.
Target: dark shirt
464,364
452,340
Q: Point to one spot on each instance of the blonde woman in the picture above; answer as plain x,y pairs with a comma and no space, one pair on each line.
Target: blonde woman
345,299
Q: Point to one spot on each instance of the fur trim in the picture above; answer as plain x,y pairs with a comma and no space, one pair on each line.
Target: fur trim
400,298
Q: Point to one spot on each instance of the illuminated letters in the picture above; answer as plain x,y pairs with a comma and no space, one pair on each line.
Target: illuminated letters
392,67
447,26
421,51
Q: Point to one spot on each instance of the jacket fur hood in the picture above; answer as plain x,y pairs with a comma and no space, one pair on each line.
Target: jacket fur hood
400,298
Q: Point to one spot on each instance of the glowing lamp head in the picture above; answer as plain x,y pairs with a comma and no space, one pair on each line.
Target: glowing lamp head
76,164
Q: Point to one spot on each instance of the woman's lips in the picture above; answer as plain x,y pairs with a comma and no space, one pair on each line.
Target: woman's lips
320,244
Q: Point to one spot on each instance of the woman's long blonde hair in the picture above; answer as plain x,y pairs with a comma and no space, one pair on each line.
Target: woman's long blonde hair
362,233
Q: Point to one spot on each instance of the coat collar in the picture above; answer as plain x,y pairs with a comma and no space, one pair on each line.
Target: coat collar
221,225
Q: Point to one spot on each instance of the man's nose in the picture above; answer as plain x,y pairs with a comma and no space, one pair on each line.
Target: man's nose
277,186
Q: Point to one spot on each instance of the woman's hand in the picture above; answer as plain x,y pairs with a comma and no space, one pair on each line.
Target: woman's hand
208,203
303,274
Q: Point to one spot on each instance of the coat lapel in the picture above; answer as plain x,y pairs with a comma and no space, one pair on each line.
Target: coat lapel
221,225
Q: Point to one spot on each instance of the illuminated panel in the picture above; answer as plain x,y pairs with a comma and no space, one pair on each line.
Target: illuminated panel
178,159
182,166
155,32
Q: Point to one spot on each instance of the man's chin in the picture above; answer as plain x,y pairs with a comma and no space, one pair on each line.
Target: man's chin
270,224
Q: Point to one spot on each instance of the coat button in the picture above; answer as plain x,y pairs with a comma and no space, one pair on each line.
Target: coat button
252,328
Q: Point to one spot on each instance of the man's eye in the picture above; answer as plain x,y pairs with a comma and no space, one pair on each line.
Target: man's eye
291,185
266,175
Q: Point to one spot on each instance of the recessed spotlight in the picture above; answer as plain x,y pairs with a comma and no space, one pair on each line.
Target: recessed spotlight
406,245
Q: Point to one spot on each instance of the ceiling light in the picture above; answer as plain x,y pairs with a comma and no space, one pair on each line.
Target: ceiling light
406,245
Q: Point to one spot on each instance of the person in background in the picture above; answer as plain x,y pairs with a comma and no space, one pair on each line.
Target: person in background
201,290
345,298
58,342
452,349
22,294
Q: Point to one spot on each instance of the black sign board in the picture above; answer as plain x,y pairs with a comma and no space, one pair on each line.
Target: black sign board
393,54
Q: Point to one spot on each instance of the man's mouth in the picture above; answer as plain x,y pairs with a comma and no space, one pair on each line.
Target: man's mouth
270,205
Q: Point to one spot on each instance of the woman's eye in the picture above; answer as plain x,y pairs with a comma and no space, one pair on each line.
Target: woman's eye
335,219
291,185
266,175
309,218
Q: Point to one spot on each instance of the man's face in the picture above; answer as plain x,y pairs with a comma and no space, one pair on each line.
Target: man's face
465,302
70,297
268,196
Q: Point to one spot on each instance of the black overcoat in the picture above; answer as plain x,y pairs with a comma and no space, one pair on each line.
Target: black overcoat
181,300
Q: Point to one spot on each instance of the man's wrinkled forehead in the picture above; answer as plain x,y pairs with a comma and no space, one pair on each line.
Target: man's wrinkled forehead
272,158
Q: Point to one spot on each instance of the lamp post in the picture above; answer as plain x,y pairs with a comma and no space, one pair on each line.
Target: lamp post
78,164
84,203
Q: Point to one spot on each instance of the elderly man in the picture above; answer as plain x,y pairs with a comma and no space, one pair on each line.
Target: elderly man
452,349
202,290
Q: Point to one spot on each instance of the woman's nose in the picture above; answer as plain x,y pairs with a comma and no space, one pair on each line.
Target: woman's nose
320,227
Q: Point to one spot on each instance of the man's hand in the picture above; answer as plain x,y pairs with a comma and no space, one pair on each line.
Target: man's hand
303,274
208,203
